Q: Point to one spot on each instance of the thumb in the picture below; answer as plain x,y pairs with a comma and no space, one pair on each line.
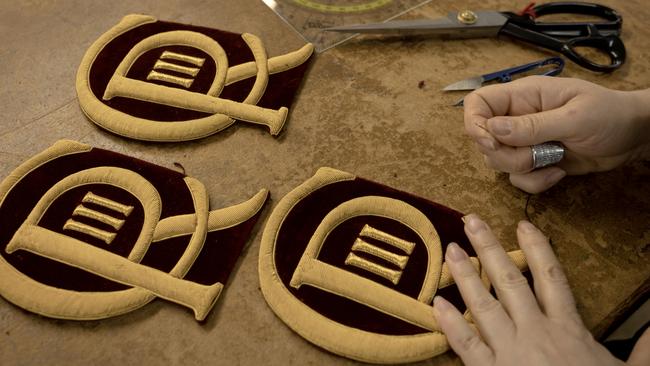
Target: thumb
531,129
641,353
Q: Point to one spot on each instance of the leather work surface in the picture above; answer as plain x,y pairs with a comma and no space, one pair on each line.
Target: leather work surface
372,107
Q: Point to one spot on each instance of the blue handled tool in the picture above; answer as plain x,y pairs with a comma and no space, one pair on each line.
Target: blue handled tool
506,75
503,76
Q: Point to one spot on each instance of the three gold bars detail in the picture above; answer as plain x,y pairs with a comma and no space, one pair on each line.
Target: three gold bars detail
400,260
84,211
361,245
163,63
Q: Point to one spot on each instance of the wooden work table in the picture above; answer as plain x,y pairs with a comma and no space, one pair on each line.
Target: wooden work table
371,107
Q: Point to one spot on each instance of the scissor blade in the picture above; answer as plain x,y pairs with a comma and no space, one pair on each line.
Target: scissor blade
398,26
488,24
467,84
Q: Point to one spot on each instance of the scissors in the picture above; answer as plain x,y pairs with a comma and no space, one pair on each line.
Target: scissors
506,75
563,37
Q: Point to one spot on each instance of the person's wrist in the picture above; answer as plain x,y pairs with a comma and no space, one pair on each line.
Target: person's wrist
640,121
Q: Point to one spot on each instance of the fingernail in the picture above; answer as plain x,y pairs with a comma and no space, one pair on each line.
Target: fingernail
555,176
527,227
455,253
440,305
473,223
500,126
487,143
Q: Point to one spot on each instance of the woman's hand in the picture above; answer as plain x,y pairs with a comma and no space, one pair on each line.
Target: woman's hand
521,327
600,128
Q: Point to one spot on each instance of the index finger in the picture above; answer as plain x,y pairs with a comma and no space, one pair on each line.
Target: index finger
519,97
551,284
511,286
477,111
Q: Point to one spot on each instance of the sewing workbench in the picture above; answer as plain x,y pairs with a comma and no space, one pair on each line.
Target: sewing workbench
371,106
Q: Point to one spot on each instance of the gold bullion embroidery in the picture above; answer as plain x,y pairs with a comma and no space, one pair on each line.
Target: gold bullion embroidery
362,246
146,282
327,332
98,216
100,234
223,112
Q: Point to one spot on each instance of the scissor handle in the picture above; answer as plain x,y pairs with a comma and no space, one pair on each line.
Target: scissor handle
610,25
610,45
570,7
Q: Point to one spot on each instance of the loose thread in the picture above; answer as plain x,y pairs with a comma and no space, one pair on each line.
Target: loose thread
529,10
181,167
526,209
482,127
528,199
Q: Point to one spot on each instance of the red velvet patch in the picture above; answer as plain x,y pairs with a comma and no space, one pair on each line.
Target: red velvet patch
280,90
306,215
214,263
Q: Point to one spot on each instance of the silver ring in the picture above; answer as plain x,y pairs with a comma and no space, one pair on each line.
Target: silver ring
546,154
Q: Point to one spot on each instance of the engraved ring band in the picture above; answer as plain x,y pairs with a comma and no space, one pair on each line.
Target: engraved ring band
546,154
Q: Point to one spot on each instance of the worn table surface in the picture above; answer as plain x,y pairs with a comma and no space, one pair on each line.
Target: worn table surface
369,107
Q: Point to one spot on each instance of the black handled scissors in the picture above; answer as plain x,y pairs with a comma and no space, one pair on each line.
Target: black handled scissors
563,37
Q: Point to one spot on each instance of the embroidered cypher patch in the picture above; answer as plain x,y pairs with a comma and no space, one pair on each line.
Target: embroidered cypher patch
88,233
162,81
352,266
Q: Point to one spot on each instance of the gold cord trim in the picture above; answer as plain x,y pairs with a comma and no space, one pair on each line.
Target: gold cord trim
362,246
316,273
169,55
220,219
387,273
276,64
98,216
370,232
123,124
90,197
323,331
89,230
159,76
49,301
49,244
164,65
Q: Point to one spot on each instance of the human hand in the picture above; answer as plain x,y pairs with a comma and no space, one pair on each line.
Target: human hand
522,327
600,128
